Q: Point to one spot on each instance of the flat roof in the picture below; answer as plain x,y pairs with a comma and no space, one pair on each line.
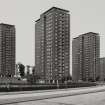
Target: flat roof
75,37
37,20
89,33
56,8
7,24
102,58
51,9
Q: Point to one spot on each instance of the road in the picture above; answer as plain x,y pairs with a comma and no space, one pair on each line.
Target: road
83,96
84,99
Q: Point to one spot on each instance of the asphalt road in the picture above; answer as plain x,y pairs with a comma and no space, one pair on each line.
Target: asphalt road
84,99
57,97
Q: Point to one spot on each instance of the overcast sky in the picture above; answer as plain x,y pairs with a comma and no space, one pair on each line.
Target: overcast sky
86,15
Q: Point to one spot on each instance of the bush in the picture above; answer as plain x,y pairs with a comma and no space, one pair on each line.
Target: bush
28,87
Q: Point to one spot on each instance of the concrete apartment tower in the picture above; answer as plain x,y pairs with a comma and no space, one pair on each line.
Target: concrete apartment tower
85,57
52,45
7,50
102,69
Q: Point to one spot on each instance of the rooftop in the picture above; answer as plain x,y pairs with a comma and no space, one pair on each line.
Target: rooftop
55,8
37,20
90,33
52,9
6,24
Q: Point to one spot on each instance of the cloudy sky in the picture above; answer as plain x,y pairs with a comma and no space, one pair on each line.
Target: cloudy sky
86,15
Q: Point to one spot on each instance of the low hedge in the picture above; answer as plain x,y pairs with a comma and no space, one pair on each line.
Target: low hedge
29,87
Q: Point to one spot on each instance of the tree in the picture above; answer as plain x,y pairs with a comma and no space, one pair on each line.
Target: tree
21,69
33,70
97,78
91,79
69,77
66,78
32,78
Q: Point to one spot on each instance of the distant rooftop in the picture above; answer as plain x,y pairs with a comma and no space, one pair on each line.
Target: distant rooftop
102,58
55,8
52,9
37,20
6,24
75,37
90,33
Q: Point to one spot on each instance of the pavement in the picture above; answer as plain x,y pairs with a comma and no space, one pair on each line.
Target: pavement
40,97
97,98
